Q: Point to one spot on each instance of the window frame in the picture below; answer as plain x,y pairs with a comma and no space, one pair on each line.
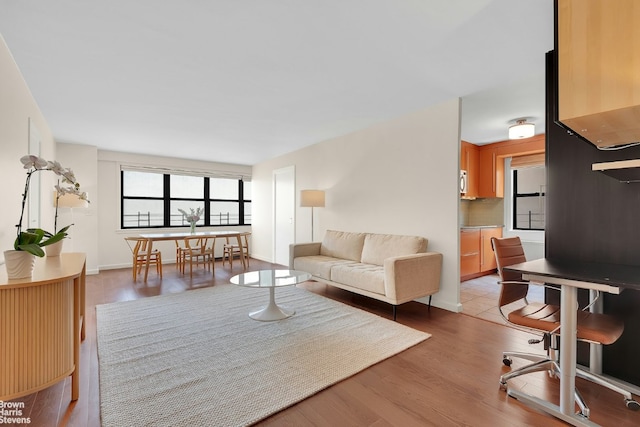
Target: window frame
167,199
514,202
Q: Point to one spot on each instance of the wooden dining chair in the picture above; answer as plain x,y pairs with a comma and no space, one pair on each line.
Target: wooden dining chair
196,251
181,249
139,249
231,249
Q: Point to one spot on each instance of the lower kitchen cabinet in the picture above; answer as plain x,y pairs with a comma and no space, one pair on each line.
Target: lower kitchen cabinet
469,252
476,254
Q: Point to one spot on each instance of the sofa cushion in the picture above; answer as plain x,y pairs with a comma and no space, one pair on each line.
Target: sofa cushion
342,244
378,247
362,276
318,265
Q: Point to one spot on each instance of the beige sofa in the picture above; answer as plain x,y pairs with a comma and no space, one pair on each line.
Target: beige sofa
391,268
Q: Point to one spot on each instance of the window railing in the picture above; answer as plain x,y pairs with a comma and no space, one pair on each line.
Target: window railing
140,219
145,219
530,221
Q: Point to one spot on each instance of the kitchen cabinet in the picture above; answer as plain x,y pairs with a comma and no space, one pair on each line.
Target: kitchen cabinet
598,48
491,172
469,252
487,257
469,161
476,255
491,162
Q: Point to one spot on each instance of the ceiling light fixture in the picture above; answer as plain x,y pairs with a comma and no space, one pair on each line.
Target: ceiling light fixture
522,129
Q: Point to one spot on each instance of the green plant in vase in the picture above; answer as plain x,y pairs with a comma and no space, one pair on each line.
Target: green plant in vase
192,218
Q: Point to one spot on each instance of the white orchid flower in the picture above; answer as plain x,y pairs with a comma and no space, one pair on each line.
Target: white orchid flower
25,241
30,161
56,167
68,176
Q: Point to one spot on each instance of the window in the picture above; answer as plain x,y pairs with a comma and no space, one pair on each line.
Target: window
529,198
151,199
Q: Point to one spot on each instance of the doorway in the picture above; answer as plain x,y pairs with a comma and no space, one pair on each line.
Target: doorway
284,201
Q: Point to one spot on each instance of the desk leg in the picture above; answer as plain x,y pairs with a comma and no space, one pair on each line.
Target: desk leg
595,350
568,347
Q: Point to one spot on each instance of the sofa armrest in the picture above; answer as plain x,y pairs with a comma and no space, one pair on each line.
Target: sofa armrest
303,249
412,276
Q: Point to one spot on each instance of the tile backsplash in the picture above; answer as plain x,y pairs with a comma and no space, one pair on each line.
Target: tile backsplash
482,212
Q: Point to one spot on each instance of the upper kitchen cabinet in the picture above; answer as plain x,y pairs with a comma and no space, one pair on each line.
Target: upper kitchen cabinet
491,172
491,162
469,162
598,47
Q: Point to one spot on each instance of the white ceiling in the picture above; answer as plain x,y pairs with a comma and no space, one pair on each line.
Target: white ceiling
247,80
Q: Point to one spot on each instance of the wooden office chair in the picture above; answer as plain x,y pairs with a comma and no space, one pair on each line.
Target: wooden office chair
542,318
196,251
140,253
231,250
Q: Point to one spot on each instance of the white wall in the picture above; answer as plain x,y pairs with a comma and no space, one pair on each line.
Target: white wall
17,107
398,177
113,251
82,235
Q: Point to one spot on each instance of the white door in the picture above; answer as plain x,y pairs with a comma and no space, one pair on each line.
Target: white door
284,203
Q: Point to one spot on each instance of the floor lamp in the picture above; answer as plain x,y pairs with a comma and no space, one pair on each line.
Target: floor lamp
71,201
312,199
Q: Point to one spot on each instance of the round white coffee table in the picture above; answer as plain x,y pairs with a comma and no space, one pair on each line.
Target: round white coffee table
271,279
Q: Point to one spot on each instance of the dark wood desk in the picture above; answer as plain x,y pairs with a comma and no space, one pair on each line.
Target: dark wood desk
618,277
611,278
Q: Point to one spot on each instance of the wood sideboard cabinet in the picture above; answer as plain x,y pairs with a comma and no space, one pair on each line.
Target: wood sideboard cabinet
42,326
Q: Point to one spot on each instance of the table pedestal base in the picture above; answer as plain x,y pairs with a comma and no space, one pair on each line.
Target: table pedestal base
272,311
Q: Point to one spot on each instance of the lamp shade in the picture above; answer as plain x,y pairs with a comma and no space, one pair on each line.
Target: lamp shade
522,129
71,201
312,198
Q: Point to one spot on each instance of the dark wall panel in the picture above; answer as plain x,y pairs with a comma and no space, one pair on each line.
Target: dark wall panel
592,217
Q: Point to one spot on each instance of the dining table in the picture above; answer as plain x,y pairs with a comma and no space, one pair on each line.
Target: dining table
175,236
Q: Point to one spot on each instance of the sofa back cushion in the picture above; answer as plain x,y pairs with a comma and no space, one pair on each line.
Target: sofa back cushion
342,244
378,247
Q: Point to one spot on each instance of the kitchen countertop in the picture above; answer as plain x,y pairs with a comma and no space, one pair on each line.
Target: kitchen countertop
480,226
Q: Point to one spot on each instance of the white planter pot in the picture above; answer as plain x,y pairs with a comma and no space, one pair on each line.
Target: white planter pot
54,249
19,264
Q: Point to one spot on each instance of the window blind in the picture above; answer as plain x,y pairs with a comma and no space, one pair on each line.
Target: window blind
186,172
530,160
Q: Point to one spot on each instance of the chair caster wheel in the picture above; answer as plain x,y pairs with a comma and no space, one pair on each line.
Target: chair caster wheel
506,361
503,385
632,404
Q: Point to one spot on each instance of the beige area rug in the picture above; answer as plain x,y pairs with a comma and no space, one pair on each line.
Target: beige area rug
197,359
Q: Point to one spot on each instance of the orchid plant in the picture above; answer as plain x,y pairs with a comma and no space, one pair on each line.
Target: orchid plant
33,239
193,217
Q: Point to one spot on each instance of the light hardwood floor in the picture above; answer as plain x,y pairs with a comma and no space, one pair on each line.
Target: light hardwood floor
450,379
479,297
